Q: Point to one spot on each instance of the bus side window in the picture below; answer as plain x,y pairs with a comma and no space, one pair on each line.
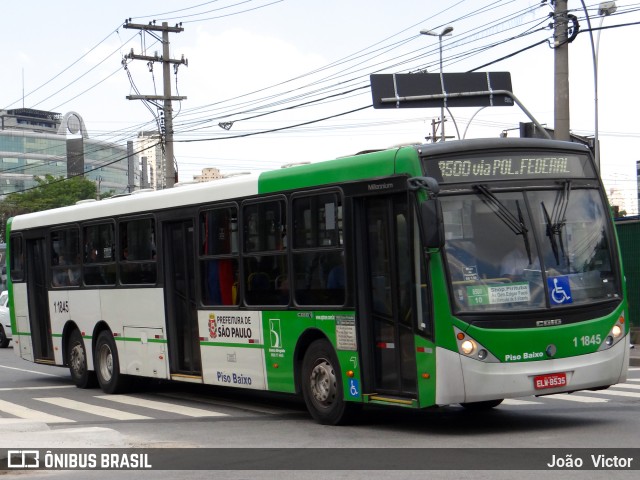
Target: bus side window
265,253
318,250
99,260
16,260
218,253
138,252
65,257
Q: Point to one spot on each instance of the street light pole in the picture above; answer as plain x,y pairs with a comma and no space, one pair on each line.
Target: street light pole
446,31
605,9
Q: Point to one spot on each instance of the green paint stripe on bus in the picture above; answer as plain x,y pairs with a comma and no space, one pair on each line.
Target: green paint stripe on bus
138,339
370,165
233,345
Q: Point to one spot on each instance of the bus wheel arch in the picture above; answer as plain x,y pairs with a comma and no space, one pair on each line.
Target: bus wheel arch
321,385
107,362
76,357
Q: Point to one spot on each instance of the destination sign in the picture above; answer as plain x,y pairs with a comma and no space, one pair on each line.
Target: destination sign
509,167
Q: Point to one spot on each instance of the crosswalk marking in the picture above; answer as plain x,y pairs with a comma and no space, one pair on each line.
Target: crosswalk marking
630,386
516,401
93,409
30,414
617,393
9,389
163,406
571,397
627,385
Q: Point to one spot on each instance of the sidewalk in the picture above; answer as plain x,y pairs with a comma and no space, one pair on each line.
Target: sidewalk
18,433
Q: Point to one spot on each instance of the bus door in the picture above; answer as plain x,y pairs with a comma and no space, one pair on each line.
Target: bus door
384,295
39,319
180,299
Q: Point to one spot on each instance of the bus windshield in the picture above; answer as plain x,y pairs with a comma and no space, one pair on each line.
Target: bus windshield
528,249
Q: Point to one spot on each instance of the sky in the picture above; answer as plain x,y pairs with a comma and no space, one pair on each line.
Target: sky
299,66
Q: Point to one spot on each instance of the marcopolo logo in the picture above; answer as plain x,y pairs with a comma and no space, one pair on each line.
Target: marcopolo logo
23,459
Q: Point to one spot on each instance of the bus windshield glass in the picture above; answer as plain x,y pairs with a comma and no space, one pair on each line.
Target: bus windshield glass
532,249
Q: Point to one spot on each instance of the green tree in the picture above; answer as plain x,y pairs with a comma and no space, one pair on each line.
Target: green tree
51,192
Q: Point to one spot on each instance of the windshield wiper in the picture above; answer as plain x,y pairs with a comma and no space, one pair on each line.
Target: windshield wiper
515,224
557,221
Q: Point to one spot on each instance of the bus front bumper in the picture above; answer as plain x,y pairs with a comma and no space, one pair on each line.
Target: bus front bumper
464,380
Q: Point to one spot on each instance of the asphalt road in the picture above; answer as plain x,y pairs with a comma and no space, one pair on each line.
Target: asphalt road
40,408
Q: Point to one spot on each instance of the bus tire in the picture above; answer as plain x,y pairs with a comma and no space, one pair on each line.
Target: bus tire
77,361
322,386
4,341
107,364
479,406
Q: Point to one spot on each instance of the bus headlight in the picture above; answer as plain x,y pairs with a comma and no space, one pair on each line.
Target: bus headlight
467,347
616,334
470,348
616,331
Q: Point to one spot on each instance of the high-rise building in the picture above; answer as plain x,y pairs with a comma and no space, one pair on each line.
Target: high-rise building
34,143
149,145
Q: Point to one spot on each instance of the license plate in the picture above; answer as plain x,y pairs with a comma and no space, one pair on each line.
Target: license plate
550,380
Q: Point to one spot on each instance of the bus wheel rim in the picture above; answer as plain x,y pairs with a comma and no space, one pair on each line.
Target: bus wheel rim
106,363
324,385
78,360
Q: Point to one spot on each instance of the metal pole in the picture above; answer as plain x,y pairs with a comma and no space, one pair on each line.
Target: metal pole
561,76
168,110
442,138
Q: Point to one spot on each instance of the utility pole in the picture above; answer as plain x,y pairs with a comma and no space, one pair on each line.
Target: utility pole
561,69
169,171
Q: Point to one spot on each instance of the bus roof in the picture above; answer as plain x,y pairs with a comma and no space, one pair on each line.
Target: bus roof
321,173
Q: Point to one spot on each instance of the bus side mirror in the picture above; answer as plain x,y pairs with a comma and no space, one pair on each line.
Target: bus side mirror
431,223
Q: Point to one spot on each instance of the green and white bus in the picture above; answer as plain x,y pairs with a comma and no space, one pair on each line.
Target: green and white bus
463,272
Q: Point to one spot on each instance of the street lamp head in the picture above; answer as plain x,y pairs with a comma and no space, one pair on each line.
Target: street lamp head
428,32
445,31
607,8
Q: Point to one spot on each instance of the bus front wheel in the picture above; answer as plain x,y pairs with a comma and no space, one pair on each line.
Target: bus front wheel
77,361
322,386
108,365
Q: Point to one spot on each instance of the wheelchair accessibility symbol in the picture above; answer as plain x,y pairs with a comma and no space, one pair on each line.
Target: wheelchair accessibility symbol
354,387
559,290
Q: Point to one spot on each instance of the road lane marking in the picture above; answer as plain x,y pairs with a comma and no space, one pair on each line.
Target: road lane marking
30,414
92,409
163,406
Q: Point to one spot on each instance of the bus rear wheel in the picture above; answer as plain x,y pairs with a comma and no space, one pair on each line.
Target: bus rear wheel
322,386
485,405
77,361
108,364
